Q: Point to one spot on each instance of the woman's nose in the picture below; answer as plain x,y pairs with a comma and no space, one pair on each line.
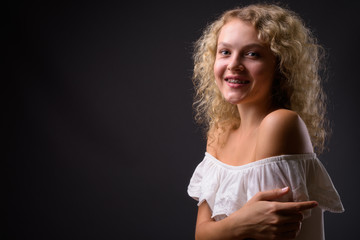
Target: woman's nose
235,65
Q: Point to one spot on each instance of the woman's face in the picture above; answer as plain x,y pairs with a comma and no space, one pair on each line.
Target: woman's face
244,66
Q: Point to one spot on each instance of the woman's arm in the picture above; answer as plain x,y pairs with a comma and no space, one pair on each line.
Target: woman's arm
207,228
259,218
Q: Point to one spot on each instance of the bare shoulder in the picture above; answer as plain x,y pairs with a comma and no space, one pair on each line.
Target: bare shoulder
282,118
282,132
216,137
212,140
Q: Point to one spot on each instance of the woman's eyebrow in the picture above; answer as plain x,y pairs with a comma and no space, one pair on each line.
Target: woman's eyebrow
258,45
224,44
250,45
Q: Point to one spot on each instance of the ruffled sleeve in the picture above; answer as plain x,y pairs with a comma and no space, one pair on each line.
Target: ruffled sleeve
204,183
321,188
227,188
194,188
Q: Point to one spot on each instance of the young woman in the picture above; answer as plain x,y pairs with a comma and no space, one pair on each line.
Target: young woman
259,95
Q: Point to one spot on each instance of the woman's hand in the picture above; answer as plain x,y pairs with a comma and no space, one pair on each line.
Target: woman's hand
263,218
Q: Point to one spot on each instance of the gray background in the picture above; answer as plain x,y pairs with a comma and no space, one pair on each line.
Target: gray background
99,130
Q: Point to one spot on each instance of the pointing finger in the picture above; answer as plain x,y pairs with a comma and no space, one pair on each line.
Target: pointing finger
296,206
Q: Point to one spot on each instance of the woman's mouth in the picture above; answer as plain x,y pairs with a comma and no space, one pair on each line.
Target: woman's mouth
236,82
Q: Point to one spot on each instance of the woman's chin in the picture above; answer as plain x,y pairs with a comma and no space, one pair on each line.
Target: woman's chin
233,101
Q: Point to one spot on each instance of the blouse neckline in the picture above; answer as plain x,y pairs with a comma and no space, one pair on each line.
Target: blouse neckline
263,161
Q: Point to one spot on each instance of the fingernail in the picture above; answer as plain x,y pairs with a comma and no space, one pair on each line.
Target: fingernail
284,189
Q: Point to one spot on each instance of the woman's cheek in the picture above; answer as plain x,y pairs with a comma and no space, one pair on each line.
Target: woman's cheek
219,68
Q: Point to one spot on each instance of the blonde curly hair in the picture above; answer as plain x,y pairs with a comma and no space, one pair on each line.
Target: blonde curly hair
297,84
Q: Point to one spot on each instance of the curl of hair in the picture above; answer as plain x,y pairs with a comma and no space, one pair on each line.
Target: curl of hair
297,84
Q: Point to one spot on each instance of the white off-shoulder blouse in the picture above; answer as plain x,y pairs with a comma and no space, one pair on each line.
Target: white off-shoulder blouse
227,188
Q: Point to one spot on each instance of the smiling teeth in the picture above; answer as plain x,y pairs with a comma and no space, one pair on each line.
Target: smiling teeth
236,81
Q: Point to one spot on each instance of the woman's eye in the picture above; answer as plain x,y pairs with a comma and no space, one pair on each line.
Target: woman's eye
224,52
252,54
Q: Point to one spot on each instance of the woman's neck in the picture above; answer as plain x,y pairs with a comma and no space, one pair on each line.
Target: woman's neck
251,115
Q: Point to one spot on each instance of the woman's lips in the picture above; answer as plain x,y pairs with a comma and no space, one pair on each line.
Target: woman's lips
236,81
